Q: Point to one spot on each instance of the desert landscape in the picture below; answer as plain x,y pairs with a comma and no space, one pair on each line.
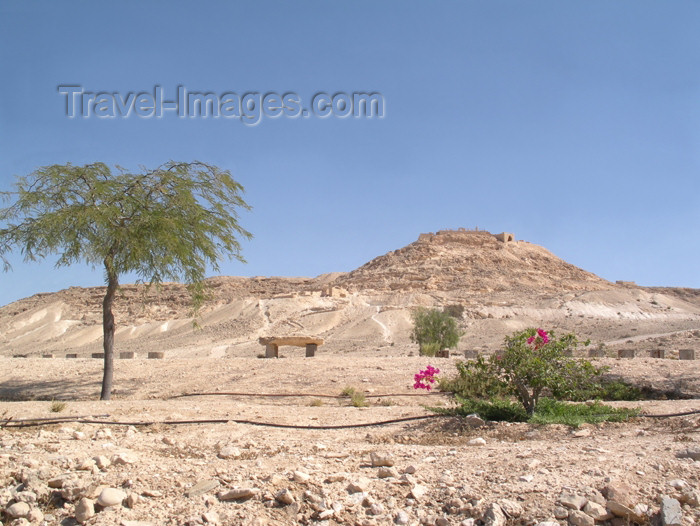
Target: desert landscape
212,432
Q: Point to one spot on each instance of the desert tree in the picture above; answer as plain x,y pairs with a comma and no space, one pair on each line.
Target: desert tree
171,223
434,330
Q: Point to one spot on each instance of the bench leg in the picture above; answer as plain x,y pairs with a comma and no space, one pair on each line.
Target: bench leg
311,349
271,350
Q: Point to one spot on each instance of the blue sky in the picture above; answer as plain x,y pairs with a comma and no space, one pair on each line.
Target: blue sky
575,125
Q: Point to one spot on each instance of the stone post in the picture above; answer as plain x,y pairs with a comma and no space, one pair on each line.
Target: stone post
686,354
626,353
271,350
311,349
657,353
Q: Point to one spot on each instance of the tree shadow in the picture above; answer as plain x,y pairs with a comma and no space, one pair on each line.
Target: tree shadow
78,388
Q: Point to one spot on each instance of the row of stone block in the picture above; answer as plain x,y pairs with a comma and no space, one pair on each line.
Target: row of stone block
152,355
683,354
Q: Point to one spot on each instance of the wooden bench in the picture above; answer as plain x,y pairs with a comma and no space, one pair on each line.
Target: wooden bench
272,344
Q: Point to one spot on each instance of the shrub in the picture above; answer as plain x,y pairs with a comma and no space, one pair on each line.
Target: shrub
434,330
357,399
551,411
57,406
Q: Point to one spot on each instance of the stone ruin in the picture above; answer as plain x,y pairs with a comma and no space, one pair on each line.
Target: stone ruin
460,233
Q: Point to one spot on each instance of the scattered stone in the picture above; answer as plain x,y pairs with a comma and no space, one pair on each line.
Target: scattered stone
581,433
381,459
204,486
238,494
79,435
300,477
573,502
511,508
598,512
111,497
132,500
384,473
229,452
526,478
671,514
579,518
473,420
693,453
620,510
410,470
102,462
677,483
18,510
418,492
86,465
211,517
84,510
690,497
376,509
35,516
494,516
401,517
154,493
124,458
335,477
285,497
477,442
359,486
168,441
560,512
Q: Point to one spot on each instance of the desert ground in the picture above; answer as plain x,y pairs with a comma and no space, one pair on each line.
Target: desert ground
192,439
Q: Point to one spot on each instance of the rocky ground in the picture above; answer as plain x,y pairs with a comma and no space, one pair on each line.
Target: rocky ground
434,471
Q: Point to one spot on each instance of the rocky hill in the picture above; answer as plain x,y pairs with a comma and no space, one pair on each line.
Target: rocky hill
498,285
471,262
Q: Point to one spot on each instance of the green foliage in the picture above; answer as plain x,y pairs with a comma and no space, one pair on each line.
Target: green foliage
434,330
548,411
173,223
475,379
348,390
555,412
603,389
357,399
533,361
57,406
495,409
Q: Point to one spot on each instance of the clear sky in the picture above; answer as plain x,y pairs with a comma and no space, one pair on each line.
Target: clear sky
575,125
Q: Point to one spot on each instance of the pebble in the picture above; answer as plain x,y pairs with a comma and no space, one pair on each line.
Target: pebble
35,516
526,478
418,491
211,517
84,510
693,453
671,514
677,483
494,516
596,511
111,497
79,435
300,477
284,496
102,462
229,452
401,517
384,473
124,458
359,485
573,502
477,442
511,508
18,510
204,486
238,493
381,459
578,518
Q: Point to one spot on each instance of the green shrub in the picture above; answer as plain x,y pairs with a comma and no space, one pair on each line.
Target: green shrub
57,406
475,379
358,399
434,330
496,409
571,414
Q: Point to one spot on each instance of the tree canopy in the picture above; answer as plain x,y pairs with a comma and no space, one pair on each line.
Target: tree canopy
171,223
434,330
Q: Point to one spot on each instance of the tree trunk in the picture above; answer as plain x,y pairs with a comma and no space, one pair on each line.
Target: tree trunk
108,331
